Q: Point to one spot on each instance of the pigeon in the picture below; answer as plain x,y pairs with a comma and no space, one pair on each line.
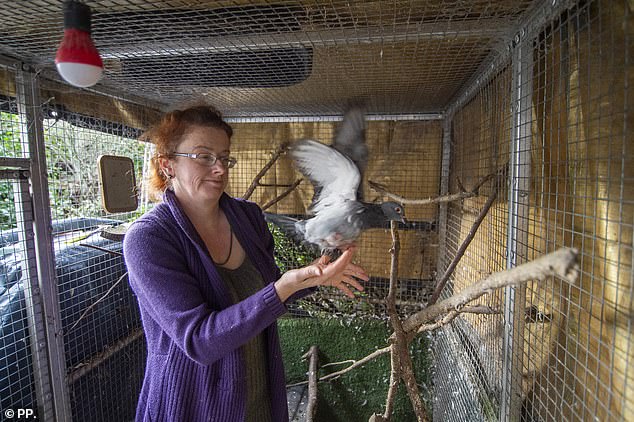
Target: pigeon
338,215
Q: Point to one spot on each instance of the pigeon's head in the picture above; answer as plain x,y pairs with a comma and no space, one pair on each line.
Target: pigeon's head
393,211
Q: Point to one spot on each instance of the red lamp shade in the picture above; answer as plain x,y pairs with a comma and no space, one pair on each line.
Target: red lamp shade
77,59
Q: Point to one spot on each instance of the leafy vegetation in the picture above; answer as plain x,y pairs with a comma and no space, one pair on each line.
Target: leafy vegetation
288,254
71,161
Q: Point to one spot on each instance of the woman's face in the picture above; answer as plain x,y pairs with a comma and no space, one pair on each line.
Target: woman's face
193,179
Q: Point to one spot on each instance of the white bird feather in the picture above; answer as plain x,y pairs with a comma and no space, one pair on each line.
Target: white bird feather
336,175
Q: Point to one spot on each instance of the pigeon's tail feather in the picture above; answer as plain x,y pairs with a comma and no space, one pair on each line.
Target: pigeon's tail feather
291,227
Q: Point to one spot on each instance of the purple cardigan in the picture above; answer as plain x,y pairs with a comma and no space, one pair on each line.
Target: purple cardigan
194,366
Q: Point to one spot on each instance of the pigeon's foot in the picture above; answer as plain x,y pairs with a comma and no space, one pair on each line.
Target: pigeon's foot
331,253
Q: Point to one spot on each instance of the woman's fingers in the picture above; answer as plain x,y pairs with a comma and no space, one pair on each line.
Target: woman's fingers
346,290
353,282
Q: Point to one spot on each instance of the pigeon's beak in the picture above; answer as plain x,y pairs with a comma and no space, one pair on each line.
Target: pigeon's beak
403,220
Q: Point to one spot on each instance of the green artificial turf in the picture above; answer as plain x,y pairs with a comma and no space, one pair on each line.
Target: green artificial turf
354,396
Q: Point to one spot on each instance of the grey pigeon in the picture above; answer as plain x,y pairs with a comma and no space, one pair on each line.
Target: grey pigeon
338,214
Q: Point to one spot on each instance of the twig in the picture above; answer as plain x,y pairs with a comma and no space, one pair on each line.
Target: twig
393,388
401,359
463,247
561,263
256,181
313,355
406,201
356,364
395,371
482,310
445,198
337,363
83,368
99,248
282,195
95,303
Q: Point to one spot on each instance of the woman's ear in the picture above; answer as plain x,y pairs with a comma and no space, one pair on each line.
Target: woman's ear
165,166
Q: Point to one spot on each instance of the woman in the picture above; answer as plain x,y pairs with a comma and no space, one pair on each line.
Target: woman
201,265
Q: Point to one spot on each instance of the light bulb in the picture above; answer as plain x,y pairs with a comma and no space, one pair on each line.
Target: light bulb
77,58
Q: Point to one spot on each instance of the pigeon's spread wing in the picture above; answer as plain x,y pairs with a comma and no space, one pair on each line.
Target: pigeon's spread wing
333,175
350,138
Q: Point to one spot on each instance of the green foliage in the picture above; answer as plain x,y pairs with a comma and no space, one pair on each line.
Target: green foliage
71,162
71,155
356,395
9,147
288,254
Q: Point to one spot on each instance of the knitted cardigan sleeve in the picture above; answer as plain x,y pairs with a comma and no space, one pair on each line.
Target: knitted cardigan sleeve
169,293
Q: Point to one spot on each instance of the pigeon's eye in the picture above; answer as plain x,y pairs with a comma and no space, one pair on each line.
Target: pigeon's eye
398,210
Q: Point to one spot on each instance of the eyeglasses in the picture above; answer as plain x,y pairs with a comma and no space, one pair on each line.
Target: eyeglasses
207,159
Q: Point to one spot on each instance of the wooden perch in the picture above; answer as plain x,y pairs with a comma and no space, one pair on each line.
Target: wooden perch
395,367
355,364
313,366
92,306
402,366
445,198
282,195
562,263
463,248
406,201
256,181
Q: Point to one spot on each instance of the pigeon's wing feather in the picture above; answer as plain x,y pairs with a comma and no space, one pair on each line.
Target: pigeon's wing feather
350,137
334,176
350,140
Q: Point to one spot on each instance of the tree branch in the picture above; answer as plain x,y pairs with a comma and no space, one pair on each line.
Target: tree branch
463,247
256,181
401,360
356,364
445,198
313,362
398,344
561,263
406,201
393,388
282,195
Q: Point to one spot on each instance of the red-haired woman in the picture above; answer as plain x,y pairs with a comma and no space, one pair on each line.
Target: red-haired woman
201,265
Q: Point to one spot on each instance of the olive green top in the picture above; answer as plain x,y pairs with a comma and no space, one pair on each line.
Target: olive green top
243,282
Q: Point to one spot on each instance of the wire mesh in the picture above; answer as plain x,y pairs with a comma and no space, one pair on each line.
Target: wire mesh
568,118
574,355
399,56
17,385
105,351
104,347
20,307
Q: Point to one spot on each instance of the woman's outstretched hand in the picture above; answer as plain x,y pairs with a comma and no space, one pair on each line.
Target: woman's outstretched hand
341,273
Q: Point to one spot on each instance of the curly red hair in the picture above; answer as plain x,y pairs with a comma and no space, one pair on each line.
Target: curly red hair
168,133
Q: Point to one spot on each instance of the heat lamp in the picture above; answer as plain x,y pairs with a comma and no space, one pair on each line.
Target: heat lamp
77,59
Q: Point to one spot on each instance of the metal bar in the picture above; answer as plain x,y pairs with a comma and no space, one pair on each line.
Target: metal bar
32,296
444,190
334,118
518,220
27,88
51,75
15,163
482,28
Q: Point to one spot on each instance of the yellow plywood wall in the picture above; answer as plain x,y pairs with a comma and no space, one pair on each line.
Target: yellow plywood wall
404,157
